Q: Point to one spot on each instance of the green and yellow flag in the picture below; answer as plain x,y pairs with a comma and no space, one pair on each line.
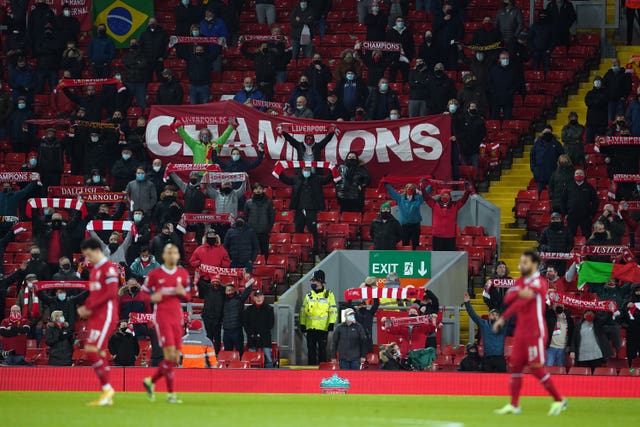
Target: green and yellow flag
125,19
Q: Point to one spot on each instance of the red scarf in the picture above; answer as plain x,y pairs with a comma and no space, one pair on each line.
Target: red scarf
194,218
389,293
381,46
42,203
19,176
286,164
71,190
263,38
106,197
306,129
574,302
64,83
31,305
98,225
174,40
186,167
57,284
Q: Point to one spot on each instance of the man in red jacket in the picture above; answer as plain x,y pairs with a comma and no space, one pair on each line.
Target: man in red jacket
14,330
211,252
444,215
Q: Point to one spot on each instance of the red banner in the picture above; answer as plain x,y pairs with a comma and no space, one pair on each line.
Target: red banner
81,9
104,197
64,191
573,302
500,283
626,177
56,284
418,146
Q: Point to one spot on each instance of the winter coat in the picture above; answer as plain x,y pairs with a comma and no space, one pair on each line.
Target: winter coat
123,172
319,78
405,38
343,66
551,318
48,50
472,362
199,69
572,134
22,81
312,186
9,201
242,96
361,94
213,300
431,54
418,83
215,255
314,101
215,28
161,240
492,343
241,165
365,316
233,308
258,322
555,240
332,112
408,210
142,195
350,341
503,83
125,348
153,44
379,104
597,102
300,18
559,181
472,134
544,158
474,92
6,106
385,235
616,227
441,90
101,50
562,18
67,306
59,338
509,22
67,27
580,201
444,218
633,117
260,214
263,63
50,157
241,244
601,339
170,93
136,66
354,181
40,16
541,36
617,85
166,210
20,139
140,271
376,26
185,17
194,198
226,203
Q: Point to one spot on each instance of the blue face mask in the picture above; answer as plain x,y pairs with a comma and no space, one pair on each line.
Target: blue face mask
350,77
62,297
95,179
235,157
306,174
400,25
453,108
137,217
384,86
195,33
615,68
126,156
61,319
33,162
22,106
504,62
140,176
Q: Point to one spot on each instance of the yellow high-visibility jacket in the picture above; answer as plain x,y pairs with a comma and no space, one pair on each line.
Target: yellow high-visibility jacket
319,310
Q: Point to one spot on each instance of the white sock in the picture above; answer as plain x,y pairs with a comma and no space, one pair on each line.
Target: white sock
106,387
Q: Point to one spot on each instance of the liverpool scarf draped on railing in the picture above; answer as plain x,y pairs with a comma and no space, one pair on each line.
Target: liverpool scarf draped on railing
286,164
174,40
188,167
19,176
197,218
386,293
42,203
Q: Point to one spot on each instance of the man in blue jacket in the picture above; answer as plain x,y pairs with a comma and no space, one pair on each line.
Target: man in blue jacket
492,343
408,213
544,157
101,52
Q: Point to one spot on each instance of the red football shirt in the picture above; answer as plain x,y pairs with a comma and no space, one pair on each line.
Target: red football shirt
165,280
530,322
103,287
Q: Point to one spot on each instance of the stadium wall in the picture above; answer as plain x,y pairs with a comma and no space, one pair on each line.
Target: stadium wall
308,381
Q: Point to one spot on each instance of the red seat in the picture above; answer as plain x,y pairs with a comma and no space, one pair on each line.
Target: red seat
337,230
336,243
556,370
254,358
225,357
279,238
602,372
268,276
464,241
303,239
488,244
524,200
328,216
473,230
476,261
235,364
328,366
577,370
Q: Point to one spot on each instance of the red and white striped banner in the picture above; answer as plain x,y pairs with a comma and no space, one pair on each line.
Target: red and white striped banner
174,40
411,321
188,167
19,176
286,164
626,177
195,218
100,225
42,203
582,304
56,284
387,293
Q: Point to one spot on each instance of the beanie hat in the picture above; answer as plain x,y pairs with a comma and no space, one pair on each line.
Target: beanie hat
385,205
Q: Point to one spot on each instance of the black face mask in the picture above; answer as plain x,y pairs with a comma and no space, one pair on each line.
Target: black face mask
35,256
385,215
317,62
351,163
56,224
565,166
113,247
102,216
212,241
65,267
239,224
226,190
123,330
193,181
600,235
559,310
439,73
428,39
170,199
258,197
573,122
304,85
473,112
547,136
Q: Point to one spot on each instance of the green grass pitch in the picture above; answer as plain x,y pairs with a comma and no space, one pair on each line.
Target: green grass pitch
39,409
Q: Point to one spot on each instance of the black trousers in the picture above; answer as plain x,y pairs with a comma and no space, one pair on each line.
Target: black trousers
263,244
308,219
583,223
316,346
494,364
214,332
633,347
444,243
411,233
351,205
631,14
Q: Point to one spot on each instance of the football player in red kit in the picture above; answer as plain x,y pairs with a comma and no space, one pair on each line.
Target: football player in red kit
168,286
527,299
101,308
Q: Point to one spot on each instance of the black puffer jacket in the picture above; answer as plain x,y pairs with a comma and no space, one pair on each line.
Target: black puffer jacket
260,214
170,93
233,308
213,300
556,239
597,102
258,322
50,156
580,201
418,78
199,69
312,186
471,134
385,235
558,183
353,182
153,44
242,244
135,66
441,90
60,342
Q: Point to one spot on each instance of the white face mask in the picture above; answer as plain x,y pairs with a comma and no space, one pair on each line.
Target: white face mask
156,168
94,139
61,319
66,12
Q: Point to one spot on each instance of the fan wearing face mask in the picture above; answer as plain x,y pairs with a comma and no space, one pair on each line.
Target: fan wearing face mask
236,163
53,235
201,146
211,252
309,150
590,346
168,208
355,179
408,213
444,215
50,157
124,169
241,242
385,230
116,249
580,204
64,300
226,197
544,157
599,237
597,102
399,33
556,238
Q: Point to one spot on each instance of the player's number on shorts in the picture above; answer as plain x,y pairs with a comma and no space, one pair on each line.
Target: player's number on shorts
94,335
533,353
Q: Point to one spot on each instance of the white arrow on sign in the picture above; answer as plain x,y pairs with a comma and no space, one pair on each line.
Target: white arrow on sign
423,270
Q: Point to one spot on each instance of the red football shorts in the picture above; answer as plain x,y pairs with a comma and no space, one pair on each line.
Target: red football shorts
169,333
527,351
100,327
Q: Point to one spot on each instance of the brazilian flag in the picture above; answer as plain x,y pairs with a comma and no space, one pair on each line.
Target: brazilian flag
125,19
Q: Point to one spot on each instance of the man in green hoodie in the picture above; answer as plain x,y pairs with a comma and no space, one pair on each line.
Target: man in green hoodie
202,146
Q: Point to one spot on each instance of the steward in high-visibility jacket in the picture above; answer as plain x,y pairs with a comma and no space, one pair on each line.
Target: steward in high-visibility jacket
318,315
197,349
